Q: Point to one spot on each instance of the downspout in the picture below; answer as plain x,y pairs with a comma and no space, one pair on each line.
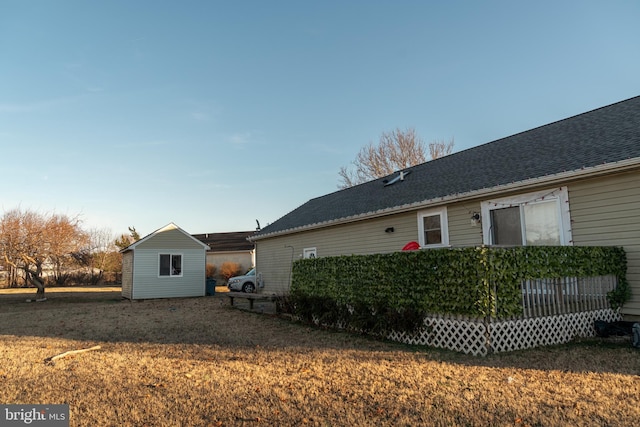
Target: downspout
290,265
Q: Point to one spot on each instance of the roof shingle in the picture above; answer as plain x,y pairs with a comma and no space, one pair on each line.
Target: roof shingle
605,135
227,242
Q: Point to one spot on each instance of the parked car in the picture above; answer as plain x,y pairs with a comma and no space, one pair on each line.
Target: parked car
246,283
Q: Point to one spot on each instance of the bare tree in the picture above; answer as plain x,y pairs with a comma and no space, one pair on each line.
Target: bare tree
396,150
102,253
65,243
29,241
23,245
440,148
10,240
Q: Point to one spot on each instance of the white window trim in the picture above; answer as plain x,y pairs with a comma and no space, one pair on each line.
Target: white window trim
309,253
444,227
171,254
561,195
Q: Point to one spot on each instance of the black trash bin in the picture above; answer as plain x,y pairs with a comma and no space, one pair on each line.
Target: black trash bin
210,286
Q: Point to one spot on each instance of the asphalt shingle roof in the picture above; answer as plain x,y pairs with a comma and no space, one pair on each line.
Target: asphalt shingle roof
605,135
227,242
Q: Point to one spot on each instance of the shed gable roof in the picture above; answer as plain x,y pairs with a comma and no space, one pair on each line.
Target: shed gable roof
606,135
169,227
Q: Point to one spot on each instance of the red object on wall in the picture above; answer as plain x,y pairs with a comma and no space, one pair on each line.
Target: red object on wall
411,246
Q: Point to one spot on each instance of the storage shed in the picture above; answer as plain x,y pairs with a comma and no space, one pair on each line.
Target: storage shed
167,263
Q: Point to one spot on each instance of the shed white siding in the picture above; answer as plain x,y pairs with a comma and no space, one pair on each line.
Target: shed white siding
149,284
141,266
170,238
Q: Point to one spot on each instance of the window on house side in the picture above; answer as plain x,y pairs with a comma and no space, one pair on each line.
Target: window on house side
506,226
541,223
432,228
309,253
534,219
170,265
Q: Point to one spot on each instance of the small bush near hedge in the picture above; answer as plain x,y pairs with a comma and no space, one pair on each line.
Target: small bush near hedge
383,292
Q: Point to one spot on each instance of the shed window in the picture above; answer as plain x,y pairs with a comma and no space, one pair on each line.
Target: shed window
170,265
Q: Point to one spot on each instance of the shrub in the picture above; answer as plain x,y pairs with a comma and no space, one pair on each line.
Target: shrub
74,278
382,292
211,270
230,269
284,304
377,319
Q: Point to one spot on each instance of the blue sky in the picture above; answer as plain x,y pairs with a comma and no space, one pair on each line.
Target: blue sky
213,114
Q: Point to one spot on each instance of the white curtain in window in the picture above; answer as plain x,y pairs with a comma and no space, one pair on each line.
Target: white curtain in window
541,223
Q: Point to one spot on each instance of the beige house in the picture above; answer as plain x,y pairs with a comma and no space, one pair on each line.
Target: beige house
572,182
167,263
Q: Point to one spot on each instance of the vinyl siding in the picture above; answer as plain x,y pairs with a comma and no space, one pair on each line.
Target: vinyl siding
461,231
274,256
172,238
604,212
147,283
274,261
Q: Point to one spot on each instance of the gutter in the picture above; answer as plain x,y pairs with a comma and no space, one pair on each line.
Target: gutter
562,177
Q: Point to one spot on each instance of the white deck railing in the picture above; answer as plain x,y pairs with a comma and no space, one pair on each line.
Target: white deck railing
549,297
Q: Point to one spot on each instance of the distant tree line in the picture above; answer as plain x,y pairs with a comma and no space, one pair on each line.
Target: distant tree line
42,249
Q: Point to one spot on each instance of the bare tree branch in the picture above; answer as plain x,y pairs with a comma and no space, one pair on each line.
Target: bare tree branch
52,360
440,148
396,150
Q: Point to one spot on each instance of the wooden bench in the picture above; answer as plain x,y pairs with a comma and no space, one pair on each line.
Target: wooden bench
250,297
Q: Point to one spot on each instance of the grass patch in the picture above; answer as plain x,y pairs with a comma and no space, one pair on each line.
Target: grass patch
196,361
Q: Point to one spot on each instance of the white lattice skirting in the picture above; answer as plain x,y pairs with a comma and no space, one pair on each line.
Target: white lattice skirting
479,336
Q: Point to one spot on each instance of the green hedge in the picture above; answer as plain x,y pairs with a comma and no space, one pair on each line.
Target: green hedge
385,291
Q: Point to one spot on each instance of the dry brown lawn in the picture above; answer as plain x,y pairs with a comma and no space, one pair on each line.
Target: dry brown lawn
199,362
